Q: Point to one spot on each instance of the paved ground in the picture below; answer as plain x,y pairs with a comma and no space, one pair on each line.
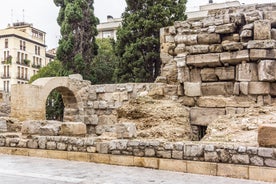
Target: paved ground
27,170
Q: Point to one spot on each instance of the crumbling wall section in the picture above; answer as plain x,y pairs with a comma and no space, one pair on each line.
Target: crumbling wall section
223,63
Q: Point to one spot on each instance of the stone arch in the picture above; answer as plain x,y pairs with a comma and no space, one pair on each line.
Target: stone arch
32,98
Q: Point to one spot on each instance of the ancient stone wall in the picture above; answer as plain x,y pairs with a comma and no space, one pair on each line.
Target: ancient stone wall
223,63
207,152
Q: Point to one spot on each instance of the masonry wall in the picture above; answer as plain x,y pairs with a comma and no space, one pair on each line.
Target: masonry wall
223,63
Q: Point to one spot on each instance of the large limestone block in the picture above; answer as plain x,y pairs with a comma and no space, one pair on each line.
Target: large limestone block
192,89
261,44
246,34
273,89
201,60
72,129
226,28
215,48
33,127
205,116
267,135
234,57
225,73
217,88
256,54
183,74
3,125
259,88
232,45
252,16
222,101
208,39
208,75
180,60
186,39
271,16
244,87
267,70
125,130
262,30
198,49
247,72
170,72
232,37
195,75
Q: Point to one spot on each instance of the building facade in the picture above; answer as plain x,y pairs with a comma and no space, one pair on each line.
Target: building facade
22,53
109,29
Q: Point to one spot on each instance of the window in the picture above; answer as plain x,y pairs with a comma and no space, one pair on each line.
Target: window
107,34
4,85
6,43
18,72
26,73
38,50
22,58
8,71
22,73
24,45
21,45
8,86
4,71
35,50
18,57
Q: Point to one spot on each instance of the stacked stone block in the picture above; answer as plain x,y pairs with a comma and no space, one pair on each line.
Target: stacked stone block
230,53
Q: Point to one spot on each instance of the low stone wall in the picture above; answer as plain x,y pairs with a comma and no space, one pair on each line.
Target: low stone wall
223,63
207,152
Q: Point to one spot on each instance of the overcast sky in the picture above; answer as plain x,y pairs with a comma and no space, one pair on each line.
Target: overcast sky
43,13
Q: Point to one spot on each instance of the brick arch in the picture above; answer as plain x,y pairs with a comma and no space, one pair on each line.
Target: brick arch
32,98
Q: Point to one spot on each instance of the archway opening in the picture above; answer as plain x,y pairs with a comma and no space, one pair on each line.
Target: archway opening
54,106
61,105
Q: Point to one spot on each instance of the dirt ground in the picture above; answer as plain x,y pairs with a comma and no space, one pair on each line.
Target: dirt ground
157,119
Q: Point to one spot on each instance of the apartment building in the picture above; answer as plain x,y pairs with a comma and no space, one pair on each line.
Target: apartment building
22,53
109,28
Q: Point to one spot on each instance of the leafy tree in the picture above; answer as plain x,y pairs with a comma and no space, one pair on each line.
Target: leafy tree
54,104
138,44
103,65
77,46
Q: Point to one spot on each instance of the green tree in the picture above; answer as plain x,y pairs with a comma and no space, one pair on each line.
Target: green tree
54,103
138,45
103,65
77,46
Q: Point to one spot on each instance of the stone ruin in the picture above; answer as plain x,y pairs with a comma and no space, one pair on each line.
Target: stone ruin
221,65
224,63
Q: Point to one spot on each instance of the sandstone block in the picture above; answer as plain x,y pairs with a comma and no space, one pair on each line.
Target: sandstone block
187,101
180,48
125,130
183,74
233,171
215,48
262,174
205,116
170,72
232,37
267,70
259,88
225,73
208,75
121,160
273,89
198,49
234,57
217,88
232,45
256,54
204,168
186,39
262,30
166,47
244,87
270,15
192,89
267,135
226,28
246,34
72,129
252,16
208,39
169,39
172,165
195,75
261,44
201,60
180,60
247,72
146,162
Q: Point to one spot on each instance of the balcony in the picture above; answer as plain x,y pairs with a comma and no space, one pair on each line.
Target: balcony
25,62
22,78
5,76
7,61
36,66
